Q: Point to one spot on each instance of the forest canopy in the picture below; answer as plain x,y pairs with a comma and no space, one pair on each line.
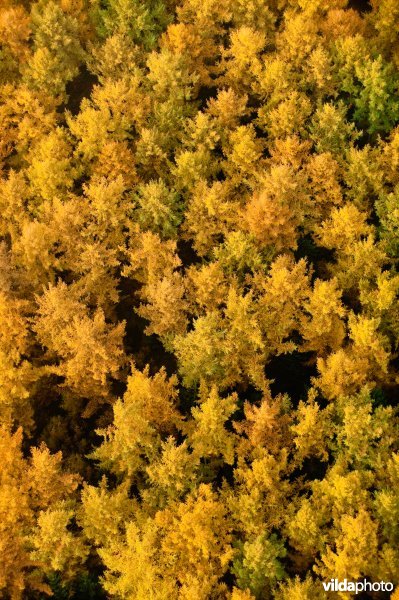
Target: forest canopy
199,312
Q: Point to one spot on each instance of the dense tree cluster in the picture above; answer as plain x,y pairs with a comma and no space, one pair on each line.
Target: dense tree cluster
199,298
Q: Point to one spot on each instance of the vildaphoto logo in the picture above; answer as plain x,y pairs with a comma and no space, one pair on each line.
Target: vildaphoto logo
357,586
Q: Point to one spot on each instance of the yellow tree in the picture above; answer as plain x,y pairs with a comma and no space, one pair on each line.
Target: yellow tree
82,348
17,374
57,50
36,504
146,412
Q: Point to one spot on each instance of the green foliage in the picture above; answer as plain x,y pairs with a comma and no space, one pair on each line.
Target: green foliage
258,566
143,23
158,209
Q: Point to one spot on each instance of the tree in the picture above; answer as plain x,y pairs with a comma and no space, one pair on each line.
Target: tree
86,350
114,109
25,116
57,50
209,437
196,545
12,15
224,346
325,328
258,566
33,497
275,212
242,62
198,298
17,373
48,179
132,19
158,208
295,589
370,82
146,411
359,532
330,130
211,212
288,117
